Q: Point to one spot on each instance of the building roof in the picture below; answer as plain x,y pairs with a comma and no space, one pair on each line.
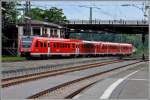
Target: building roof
42,23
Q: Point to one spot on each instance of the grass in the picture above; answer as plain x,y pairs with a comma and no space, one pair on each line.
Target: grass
12,58
139,52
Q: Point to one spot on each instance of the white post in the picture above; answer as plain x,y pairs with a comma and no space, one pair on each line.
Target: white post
58,33
31,30
20,34
48,32
20,30
41,31
53,32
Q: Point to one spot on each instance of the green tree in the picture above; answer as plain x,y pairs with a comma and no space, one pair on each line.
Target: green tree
37,13
51,15
9,13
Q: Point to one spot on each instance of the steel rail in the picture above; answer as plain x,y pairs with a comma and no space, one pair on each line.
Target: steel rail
23,71
30,77
63,85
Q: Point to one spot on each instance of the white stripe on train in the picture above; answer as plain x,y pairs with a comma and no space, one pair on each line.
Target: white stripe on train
74,53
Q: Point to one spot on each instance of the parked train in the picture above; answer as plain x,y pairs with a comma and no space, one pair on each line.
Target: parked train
34,46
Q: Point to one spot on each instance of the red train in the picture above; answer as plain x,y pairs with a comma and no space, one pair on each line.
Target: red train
33,46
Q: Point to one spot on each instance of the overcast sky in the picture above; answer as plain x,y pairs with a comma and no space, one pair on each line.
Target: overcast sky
108,9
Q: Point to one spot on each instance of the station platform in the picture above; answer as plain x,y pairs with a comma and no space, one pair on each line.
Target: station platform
130,84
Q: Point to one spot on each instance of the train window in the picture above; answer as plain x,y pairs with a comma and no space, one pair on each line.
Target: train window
73,45
104,46
26,44
44,44
48,44
36,44
57,45
68,45
61,45
54,45
41,44
64,45
83,46
76,46
27,38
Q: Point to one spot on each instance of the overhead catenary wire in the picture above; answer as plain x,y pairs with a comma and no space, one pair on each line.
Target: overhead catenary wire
99,7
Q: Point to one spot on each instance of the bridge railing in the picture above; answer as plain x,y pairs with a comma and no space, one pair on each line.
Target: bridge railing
135,22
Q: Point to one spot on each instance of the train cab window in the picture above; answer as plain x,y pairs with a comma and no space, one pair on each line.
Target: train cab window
36,44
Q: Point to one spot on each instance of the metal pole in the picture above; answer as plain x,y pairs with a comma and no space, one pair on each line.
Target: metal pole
29,15
1,25
149,27
143,41
143,35
90,15
27,20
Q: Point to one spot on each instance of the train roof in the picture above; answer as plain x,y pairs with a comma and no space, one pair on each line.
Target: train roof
57,39
74,40
92,41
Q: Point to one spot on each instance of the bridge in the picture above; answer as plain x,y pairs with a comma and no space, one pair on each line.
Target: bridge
109,26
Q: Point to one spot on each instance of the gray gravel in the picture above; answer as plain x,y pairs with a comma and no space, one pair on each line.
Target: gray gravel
36,63
23,68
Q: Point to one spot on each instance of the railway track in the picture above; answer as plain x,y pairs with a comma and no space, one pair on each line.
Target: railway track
34,76
71,88
24,71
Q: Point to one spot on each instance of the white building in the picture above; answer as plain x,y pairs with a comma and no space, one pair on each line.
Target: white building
43,29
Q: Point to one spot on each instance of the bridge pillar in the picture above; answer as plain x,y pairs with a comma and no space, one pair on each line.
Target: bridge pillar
143,41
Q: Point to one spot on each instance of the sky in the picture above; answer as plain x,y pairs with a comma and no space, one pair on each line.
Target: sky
108,10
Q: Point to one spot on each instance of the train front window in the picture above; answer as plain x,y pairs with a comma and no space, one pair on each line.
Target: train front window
36,44
27,42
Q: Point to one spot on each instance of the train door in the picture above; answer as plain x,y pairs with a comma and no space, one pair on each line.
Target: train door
45,47
119,48
96,46
107,49
41,47
48,48
77,49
